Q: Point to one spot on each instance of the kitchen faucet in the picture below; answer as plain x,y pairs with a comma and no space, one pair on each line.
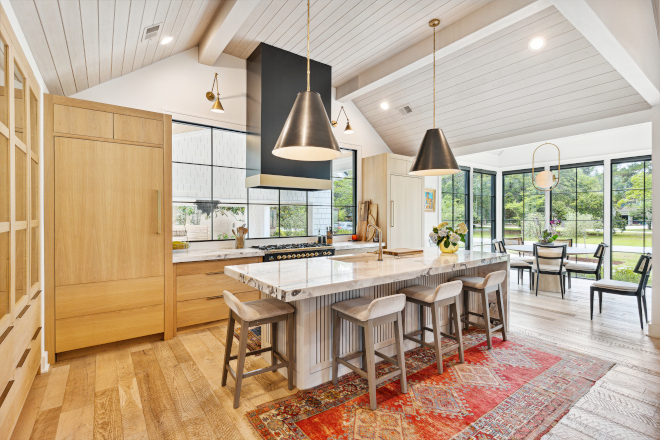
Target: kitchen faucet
380,240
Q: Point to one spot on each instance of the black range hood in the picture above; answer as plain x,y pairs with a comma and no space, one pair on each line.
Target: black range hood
274,79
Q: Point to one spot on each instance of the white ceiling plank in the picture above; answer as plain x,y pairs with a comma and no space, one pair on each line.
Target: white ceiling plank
26,12
148,19
249,27
283,16
172,14
51,21
206,15
134,32
123,9
146,49
106,30
72,23
320,12
181,18
89,15
183,35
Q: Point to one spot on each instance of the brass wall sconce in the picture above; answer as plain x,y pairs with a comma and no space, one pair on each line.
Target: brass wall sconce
545,179
348,129
217,107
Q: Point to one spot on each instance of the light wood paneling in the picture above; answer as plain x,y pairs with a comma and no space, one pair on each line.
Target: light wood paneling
102,328
109,296
117,213
198,311
204,286
131,128
79,44
84,122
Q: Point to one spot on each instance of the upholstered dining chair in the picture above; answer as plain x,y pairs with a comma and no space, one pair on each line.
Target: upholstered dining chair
515,263
518,241
568,242
643,269
587,268
549,260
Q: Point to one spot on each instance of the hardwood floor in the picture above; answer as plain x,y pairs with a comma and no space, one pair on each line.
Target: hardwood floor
171,390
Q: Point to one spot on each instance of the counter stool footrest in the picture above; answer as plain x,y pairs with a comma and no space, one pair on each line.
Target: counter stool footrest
387,358
252,353
231,371
418,341
448,336
265,370
280,357
476,324
352,367
388,376
357,354
475,314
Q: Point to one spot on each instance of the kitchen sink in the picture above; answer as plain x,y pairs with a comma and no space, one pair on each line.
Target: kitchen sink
359,258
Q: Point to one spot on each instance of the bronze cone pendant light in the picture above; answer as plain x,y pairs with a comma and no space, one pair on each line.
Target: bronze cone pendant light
434,157
307,133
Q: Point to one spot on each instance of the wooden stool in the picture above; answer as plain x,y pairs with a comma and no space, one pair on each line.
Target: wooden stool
484,286
251,314
444,295
367,314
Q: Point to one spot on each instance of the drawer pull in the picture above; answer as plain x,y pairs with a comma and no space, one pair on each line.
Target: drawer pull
20,315
215,273
36,294
3,397
22,361
36,333
215,297
4,335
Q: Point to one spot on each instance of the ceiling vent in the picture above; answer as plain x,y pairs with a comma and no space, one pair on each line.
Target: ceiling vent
151,32
405,110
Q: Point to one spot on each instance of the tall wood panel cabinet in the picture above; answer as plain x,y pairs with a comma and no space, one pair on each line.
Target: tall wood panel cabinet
20,288
385,181
108,248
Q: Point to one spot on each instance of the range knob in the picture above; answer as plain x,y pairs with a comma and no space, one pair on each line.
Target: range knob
308,254
288,256
316,254
279,257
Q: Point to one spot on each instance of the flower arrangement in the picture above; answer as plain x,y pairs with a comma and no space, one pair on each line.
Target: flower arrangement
447,238
546,235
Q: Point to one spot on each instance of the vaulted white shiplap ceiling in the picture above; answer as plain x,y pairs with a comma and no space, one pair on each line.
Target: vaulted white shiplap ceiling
81,43
498,88
349,35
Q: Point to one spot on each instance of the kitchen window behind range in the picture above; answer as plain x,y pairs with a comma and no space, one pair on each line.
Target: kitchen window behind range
210,198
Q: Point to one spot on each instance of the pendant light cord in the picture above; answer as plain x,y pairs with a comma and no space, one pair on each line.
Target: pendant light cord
433,77
308,45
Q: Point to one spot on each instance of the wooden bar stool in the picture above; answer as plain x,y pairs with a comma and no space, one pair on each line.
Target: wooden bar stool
446,294
485,286
367,314
251,314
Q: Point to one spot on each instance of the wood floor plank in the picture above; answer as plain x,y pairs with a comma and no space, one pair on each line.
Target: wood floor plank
81,383
45,427
132,417
30,411
106,370
107,415
54,395
161,417
77,424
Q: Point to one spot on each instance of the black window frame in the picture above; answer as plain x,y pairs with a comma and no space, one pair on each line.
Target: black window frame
468,202
503,198
493,203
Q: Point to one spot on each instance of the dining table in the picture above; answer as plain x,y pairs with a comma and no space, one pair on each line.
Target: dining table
551,283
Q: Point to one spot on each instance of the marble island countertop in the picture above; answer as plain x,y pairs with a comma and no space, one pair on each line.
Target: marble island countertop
226,254
293,280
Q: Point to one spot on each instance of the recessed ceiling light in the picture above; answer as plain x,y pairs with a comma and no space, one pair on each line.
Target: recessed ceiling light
536,43
384,105
166,40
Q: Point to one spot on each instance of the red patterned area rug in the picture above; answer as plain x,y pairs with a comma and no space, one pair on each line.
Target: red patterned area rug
254,337
517,390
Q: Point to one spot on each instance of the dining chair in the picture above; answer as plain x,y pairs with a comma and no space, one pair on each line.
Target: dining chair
518,241
626,288
568,242
515,263
549,260
585,267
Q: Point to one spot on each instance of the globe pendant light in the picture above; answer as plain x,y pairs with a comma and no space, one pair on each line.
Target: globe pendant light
307,133
434,157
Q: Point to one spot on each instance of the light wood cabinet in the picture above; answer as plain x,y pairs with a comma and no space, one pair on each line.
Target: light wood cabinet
20,287
108,237
199,287
386,182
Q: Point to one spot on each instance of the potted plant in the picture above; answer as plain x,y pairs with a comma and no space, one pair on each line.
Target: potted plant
545,235
447,238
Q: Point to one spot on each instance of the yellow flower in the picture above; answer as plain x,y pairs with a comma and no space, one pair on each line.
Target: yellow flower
442,225
461,228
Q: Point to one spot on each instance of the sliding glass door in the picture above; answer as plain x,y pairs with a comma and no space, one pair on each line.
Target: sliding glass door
483,210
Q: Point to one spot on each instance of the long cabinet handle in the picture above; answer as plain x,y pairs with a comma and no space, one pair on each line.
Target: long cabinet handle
215,273
160,220
392,216
214,297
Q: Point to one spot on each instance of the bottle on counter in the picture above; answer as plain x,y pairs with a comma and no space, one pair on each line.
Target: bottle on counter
319,238
329,234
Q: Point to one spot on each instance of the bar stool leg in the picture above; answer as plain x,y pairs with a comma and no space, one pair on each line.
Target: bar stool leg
273,341
500,306
466,308
435,317
289,348
486,316
242,348
422,322
336,323
363,361
371,364
228,343
398,335
451,321
457,312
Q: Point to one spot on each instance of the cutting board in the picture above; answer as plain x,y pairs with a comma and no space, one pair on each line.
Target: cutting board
400,252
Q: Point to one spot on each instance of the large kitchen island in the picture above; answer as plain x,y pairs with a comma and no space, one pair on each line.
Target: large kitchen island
313,285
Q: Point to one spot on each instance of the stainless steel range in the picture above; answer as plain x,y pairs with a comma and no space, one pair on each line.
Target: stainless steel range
279,252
